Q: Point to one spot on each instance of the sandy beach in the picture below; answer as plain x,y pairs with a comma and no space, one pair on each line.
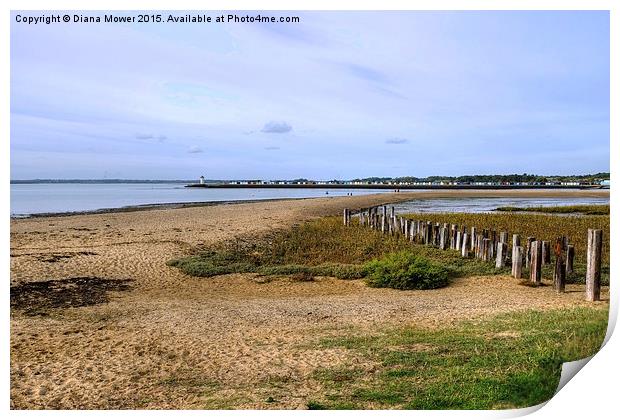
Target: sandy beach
162,339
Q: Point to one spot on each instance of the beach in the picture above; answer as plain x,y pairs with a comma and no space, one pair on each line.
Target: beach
168,340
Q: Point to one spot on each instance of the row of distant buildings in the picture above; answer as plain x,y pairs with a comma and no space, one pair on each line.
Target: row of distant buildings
412,183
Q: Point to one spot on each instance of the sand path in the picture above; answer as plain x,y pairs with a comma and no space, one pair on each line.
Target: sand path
173,341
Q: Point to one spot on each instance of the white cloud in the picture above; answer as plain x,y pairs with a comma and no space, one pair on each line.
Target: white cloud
277,127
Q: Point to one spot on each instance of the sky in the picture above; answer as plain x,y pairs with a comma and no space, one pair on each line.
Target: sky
339,95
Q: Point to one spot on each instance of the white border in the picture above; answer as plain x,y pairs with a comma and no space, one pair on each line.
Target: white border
591,394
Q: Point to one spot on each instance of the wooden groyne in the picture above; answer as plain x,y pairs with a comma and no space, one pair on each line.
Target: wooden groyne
492,246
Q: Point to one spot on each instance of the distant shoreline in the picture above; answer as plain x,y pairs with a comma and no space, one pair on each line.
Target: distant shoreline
153,206
401,187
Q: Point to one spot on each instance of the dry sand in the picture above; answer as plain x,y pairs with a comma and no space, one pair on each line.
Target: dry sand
174,341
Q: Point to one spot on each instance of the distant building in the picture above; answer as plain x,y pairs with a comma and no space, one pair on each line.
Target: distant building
201,179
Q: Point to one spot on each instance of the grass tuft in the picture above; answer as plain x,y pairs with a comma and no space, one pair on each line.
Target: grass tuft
590,210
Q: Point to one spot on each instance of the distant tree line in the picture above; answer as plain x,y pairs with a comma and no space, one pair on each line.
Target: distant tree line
513,178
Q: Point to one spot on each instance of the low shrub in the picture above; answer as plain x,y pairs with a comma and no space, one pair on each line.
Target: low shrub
199,267
405,271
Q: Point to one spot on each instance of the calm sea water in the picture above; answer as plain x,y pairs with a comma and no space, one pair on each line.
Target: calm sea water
29,199
484,205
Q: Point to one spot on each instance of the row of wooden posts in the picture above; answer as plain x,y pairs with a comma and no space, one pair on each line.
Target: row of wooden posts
488,245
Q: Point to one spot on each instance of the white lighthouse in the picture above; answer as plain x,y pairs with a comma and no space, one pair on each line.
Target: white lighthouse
202,179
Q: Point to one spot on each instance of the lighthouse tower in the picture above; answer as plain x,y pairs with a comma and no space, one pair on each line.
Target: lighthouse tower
202,179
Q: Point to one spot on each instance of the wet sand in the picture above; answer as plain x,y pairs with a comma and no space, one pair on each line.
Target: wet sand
168,340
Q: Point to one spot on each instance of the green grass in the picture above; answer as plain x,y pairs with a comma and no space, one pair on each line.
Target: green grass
323,247
591,210
512,360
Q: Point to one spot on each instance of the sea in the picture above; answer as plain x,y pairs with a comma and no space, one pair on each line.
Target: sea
37,198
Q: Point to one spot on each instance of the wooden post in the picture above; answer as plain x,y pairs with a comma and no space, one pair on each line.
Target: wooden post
593,264
384,220
517,262
458,239
486,244
392,212
500,260
528,249
570,257
452,237
516,241
503,237
429,233
345,215
465,247
443,243
536,262
473,238
559,272
546,252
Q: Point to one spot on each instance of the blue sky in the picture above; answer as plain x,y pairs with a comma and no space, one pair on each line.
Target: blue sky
339,95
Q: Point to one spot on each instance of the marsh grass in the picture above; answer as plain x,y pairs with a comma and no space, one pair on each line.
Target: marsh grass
591,210
322,247
544,227
325,247
512,360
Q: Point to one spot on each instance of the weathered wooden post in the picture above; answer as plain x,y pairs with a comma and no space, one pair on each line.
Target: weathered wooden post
503,237
486,244
429,233
345,216
593,264
392,212
570,257
458,240
516,241
465,247
490,251
528,249
383,224
451,236
517,262
473,239
536,262
559,273
443,243
546,252
502,249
